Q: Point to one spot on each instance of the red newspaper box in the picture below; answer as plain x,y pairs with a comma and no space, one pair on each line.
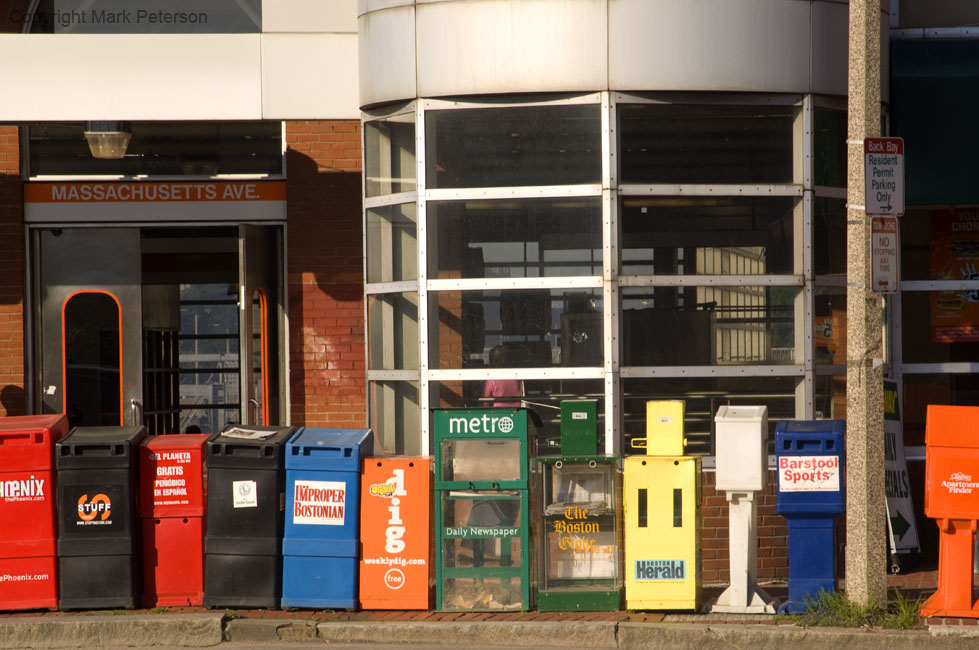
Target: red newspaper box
172,507
952,500
395,527
28,516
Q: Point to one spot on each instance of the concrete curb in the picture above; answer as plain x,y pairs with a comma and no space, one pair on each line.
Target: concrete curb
209,630
102,630
527,634
264,630
455,633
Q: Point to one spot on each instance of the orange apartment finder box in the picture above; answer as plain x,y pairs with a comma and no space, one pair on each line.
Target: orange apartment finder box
395,533
952,462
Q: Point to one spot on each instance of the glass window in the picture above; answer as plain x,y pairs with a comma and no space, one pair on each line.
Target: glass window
829,147
133,17
830,397
702,397
916,227
829,326
392,243
518,328
829,226
389,155
543,396
705,326
707,235
93,367
394,416
517,238
922,390
162,149
938,327
672,143
392,331
210,391
505,147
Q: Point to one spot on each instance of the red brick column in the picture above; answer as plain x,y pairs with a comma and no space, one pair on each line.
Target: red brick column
12,377
326,287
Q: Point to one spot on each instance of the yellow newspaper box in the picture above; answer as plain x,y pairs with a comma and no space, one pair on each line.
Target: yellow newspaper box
662,519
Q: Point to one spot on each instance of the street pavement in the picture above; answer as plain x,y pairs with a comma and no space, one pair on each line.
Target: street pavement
244,629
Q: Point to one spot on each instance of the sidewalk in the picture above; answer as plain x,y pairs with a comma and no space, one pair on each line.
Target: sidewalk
192,627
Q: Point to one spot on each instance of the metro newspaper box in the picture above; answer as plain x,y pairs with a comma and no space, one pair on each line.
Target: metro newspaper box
482,509
245,514
319,544
810,459
395,522
952,500
172,507
28,530
98,538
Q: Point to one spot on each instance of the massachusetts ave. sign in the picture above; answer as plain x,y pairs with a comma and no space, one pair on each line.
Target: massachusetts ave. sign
884,176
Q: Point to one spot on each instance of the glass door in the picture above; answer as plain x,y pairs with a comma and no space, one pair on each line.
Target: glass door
176,328
258,266
90,301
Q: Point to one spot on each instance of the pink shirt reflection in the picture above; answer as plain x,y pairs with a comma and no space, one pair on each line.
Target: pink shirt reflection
502,388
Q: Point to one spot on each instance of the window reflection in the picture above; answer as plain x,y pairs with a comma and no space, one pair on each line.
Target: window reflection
505,147
515,238
679,143
535,328
707,235
93,366
702,326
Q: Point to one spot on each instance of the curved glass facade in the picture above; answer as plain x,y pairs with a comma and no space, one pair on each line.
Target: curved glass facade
609,246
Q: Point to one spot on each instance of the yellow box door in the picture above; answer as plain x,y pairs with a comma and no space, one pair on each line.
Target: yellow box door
662,532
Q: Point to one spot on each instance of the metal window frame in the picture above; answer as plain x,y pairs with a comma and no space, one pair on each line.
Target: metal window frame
610,282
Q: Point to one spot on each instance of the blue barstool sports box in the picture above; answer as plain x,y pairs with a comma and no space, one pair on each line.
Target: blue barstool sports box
810,459
320,542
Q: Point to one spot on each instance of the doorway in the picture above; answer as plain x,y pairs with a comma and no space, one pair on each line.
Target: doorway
175,328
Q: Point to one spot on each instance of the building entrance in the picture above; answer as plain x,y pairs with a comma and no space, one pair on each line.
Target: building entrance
177,328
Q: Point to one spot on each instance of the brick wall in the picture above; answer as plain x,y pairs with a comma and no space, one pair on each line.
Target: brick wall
12,396
773,550
326,290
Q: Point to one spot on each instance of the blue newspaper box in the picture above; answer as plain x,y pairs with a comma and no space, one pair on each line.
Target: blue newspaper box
810,458
320,543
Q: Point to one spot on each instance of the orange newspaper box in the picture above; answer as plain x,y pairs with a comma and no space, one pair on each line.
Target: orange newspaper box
172,508
952,500
395,533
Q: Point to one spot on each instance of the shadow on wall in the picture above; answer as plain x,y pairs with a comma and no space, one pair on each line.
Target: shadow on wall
14,400
325,242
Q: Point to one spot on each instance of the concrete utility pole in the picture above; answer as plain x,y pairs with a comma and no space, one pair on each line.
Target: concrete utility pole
866,539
